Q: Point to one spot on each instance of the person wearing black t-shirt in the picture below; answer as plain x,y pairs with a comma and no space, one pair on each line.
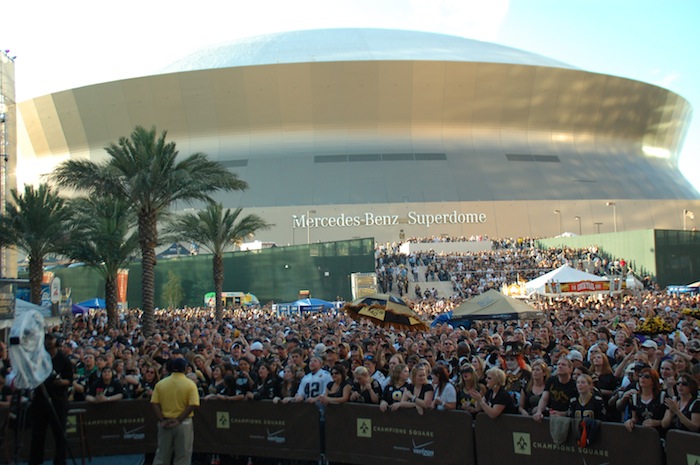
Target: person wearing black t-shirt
497,400
106,388
52,410
648,406
588,403
558,391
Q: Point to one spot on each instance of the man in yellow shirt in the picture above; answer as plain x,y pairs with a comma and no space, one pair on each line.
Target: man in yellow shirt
174,400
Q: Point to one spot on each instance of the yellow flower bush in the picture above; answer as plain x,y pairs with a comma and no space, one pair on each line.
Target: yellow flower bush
654,325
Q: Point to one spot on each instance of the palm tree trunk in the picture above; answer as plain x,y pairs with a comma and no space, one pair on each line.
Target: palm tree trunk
148,238
111,302
218,273
36,274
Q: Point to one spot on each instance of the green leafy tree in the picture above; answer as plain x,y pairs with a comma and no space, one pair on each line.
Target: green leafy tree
36,222
143,169
104,239
173,293
216,230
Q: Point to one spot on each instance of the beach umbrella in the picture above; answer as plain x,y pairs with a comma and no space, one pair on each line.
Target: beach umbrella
385,310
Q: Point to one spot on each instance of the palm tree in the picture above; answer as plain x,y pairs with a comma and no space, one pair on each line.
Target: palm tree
216,230
104,240
36,223
143,169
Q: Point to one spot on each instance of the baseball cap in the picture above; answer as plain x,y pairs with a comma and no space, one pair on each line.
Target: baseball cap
178,365
575,355
640,366
649,344
257,345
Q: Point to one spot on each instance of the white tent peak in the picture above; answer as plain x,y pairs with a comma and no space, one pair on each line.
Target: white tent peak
563,274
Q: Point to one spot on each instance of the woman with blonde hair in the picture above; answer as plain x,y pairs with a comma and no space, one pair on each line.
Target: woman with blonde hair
497,400
468,380
398,383
531,394
420,394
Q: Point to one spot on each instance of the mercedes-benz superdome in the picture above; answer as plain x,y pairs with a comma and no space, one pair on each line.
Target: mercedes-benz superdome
345,133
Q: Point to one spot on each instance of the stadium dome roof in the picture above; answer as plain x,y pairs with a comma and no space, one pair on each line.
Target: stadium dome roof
331,45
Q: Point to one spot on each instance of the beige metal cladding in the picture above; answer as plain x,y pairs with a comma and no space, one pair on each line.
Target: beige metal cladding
360,107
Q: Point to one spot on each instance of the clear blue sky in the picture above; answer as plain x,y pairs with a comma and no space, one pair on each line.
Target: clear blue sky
61,45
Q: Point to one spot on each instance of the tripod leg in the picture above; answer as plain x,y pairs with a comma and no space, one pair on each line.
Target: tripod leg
59,424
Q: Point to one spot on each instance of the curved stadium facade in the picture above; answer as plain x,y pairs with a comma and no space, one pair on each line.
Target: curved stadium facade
378,133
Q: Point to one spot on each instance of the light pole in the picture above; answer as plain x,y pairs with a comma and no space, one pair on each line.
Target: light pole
308,225
558,213
597,227
614,205
578,218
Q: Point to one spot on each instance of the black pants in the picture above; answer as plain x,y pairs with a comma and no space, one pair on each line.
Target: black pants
42,417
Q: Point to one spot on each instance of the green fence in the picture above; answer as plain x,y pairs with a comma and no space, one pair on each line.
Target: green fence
275,274
668,256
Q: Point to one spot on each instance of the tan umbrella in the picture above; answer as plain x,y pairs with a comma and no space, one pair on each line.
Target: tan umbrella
385,310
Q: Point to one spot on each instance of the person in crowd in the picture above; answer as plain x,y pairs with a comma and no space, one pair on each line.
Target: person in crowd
244,379
683,412
149,379
174,401
217,385
370,362
622,397
516,369
50,404
365,389
398,383
86,374
558,391
467,382
588,403
337,391
105,389
313,384
668,374
419,394
289,384
532,392
203,364
648,405
497,400
445,397
266,385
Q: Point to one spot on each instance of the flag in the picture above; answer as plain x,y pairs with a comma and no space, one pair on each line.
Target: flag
689,214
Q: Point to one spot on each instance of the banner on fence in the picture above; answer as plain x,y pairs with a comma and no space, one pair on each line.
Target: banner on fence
364,434
260,429
524,441
682,448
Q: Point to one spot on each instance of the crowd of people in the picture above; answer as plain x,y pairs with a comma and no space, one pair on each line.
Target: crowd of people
586,359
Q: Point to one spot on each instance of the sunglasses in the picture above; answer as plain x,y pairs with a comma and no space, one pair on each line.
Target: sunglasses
335,372
681,382
645,376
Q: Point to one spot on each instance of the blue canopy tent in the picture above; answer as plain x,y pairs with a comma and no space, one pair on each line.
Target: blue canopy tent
79,309
305,305
93,303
